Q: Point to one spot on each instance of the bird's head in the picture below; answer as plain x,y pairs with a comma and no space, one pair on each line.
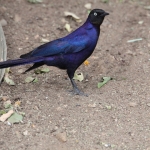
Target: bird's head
97,16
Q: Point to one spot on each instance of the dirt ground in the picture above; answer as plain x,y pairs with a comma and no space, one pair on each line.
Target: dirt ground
116,116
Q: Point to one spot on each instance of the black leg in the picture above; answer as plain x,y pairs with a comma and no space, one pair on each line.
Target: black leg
76,90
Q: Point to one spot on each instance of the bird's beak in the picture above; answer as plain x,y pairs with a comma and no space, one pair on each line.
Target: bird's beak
105,14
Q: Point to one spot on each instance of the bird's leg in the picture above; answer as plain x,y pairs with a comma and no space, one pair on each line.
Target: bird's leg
76,89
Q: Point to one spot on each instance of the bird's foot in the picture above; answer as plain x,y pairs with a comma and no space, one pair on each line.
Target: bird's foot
76,91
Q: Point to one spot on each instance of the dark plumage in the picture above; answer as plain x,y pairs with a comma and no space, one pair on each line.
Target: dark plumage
68,52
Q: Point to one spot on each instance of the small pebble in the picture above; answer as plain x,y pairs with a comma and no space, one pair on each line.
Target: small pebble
59,109
36,36
141,22
132,104
92,105
8,123
25,133
17,18
88,6
62,136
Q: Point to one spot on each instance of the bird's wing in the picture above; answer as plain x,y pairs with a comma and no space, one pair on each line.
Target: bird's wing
59,46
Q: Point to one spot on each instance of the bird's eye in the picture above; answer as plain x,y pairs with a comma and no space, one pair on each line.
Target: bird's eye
95,14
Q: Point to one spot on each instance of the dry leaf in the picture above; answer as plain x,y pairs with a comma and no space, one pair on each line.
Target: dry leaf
72,15
67,27
44,40
78,77
4,117
86,62
17,103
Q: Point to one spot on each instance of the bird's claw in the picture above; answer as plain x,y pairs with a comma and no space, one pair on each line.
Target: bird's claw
76,91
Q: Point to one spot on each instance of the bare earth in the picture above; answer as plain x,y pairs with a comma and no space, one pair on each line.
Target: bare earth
116,116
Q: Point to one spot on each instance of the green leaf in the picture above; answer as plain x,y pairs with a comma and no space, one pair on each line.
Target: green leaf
35,80
37,71
108,107
78,77
42,70
89,11
7,104
8,80
29,79
2,112
35,1
7,70
147,7
22,113
104,81
15,118
105,1
134,40
45,70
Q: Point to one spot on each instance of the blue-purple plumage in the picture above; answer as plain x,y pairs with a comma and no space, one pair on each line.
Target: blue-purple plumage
68,52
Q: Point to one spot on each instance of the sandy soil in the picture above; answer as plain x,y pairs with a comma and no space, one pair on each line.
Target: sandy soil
115,116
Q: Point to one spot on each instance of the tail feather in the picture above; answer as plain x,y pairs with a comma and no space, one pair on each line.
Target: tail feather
36,65
22,61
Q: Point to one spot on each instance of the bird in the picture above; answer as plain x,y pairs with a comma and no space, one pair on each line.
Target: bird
68,52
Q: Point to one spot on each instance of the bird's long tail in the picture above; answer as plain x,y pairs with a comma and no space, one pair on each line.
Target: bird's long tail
22,61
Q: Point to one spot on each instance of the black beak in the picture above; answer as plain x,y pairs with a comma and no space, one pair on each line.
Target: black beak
105,14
